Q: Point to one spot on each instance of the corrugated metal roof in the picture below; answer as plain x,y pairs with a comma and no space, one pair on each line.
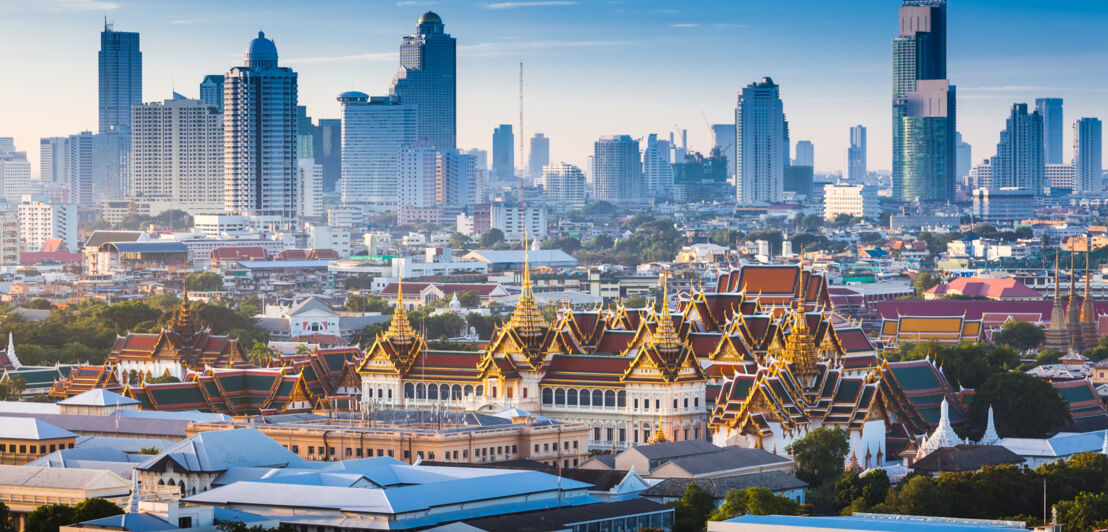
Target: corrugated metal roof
29,428
98,397
149,247
48,477
222,449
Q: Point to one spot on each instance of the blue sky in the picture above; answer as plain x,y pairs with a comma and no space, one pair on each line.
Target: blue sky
592,67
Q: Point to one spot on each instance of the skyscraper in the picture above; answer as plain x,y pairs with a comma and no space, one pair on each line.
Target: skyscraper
1019,154
1087,163
259,132
457,181
1051,111
80,179
54,159
309,189
503,153
657,171
373,132
418,165
723,137
563,186
617,170
539,156
327,148
805,154
211,91
963,157
177,156
120,78
427,79
762,144
924,110
856,169
305,134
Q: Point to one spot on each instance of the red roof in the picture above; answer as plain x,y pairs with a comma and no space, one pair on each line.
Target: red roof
39,257
54,245
973,309
239,253
990,288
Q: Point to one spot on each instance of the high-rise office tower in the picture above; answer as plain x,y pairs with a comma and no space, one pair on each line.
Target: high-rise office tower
373,132
805,154
309,189
924,110
211,91
80,179
177,156
1087,163
418,165
15,175
963,157
723,137
539,156
1051,111
1019,154
427,79
856,169
327,148
259,134
457,181
503,153
54,159
305,134
657,171
762,144
617,169
120,78
563,186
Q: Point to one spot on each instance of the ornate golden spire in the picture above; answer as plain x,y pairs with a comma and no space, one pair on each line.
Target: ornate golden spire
185,321
400,329
1057,279
1087,304
800,349
665,337
527,318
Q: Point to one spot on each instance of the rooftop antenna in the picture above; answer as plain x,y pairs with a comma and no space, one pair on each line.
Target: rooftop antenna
522,159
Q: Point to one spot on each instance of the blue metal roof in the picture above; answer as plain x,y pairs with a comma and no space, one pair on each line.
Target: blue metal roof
149,247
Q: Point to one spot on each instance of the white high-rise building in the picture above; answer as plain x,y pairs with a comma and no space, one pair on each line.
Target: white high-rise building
617,169
853,200
982,175
373,132
419,166
856,154
762,145
40,220
177,156
79,182
259,133
1060,176
457,182
656,168
309,186
563,186
1087,163
15,175
54,159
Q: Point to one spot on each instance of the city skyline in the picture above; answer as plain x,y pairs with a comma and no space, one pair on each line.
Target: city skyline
830,79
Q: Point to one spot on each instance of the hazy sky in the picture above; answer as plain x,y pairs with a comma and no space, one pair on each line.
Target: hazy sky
592,68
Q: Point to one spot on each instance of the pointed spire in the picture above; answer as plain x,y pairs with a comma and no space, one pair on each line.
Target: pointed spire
1057,280
133,507
400,329
527,318
1104,446
990,437
12,359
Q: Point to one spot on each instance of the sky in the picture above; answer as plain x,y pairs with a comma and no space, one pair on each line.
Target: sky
591,67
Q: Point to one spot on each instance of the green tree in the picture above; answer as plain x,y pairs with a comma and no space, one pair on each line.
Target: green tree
1088,511
39,303
6,522
94,508
150,450
926,281
1023,406
691,511
459,241
124,316
820,455
870,489
601,242
568,244
239,526
260,354
1020,335
361,281
491,238
919,495
204,282
469,299
48,518
754,501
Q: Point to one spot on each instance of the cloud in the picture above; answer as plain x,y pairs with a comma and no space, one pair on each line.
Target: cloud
536,3
513,47
685,25
175,20
77,5
371,57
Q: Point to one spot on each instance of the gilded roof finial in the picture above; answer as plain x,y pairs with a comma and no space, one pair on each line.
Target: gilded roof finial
527,318
665,336
1057,279
400,329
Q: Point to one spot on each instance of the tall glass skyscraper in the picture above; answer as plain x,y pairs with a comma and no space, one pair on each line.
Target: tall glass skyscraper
617,169
211,91
657,170
1051,111
427,79
539,155
374,130
503,152
924,110
1019,154
856,154
120,78
1087,163
259,134
762,141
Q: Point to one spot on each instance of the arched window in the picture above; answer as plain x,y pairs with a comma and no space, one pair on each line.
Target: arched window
480,390
584,398
547,396
559,397
468,390
456,392
444,391
609,398
432,391
571,398
421,391
621,399
597,398
161,481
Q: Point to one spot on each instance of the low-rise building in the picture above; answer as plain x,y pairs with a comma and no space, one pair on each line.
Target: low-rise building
23,439
853,200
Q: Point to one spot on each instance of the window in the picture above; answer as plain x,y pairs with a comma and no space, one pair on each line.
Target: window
574,462
311,450
571,397
350,452
184,522
657,404
421,391
525,393
609,431
635,404
499,450
597,398
696,402
432,392
391,454
330,451
465,453
565,445
646,404
296,449
546,447
565,464
431,455
609,398
407,454
514,451
574,444
622,435
455,455
3,447
359,452
559,397
536,448
675,403
686,403
390,393
381,452
596,434
484,451
547,396
621,399
584,398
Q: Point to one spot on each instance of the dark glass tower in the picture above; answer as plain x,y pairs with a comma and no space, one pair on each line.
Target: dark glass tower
503,153
1051,111
924,106
1019,154
427,79
120,78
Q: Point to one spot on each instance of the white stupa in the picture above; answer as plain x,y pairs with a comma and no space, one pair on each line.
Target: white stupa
944,435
